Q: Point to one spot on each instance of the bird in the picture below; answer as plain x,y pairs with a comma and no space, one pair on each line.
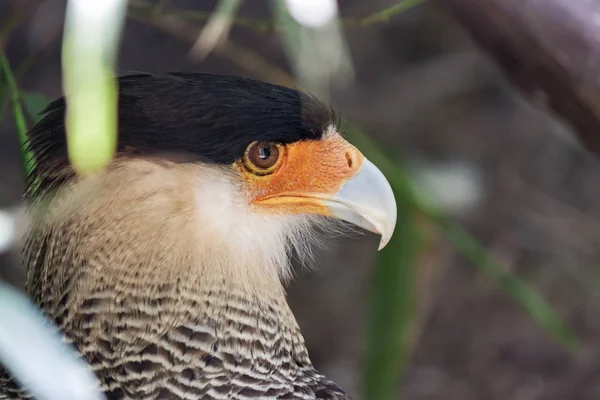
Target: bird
167,269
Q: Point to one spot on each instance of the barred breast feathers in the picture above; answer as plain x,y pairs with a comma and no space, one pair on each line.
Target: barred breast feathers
165,302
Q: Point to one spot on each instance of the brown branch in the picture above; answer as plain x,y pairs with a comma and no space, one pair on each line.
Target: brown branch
550,49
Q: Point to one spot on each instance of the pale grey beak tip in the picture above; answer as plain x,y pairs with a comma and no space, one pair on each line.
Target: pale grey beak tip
367,200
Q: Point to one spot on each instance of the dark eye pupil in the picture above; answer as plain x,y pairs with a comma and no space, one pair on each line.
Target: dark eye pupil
264,152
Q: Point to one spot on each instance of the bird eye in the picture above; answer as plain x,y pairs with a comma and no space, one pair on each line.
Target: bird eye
261,157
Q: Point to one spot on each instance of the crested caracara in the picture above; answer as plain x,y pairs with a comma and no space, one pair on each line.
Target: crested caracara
166,270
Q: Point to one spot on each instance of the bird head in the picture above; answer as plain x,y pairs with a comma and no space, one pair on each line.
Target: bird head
244,164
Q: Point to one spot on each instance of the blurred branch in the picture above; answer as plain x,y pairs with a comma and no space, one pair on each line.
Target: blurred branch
216,29
245,58
383,16
145,9
550,49
264,26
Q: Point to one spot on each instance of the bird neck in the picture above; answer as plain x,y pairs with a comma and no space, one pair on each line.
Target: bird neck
144,271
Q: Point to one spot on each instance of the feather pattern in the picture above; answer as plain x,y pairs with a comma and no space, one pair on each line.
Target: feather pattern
158,305
156,269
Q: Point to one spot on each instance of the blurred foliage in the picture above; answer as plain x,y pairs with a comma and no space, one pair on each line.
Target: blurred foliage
13,92
392,309
532,302
91,37
387,354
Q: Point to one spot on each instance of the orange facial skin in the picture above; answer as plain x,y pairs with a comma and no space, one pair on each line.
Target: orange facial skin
306,173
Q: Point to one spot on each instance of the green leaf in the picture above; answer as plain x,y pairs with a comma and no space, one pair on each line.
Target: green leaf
392,308
19,117
91,38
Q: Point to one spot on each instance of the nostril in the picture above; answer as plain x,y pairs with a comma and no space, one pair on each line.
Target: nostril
349,159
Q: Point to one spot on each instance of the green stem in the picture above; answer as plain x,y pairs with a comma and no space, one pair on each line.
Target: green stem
19,116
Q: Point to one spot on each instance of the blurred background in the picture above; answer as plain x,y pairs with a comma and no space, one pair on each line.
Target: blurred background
469,144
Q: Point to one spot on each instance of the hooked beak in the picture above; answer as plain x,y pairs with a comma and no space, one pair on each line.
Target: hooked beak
367,201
